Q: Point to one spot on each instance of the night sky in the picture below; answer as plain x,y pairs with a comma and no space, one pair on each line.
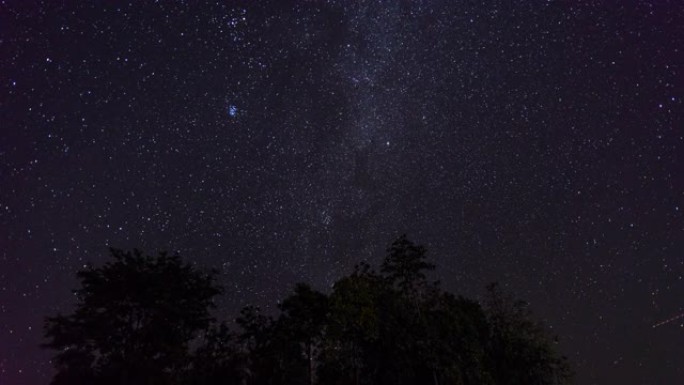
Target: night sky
538,144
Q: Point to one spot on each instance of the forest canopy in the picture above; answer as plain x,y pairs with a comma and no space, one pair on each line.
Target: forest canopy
147,320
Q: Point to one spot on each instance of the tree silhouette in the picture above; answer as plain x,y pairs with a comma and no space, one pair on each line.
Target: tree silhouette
133,322
519,349
304,315
405,265
219,360
353,329
137,317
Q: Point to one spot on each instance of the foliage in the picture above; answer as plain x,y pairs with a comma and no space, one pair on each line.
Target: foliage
133,322
405,265
519,350
387,327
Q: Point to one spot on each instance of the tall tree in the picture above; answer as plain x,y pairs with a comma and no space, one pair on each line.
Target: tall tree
134,320
405,265
404,268
353,329
520,350
303,318
455,339
218,360
262,364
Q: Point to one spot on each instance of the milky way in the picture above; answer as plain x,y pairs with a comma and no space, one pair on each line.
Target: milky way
537,144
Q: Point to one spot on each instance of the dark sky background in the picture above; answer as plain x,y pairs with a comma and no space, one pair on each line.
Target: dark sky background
538,144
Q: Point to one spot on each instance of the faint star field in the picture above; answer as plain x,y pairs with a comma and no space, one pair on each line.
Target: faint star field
538,144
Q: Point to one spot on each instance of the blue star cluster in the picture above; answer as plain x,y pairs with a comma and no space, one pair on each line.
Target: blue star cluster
535,143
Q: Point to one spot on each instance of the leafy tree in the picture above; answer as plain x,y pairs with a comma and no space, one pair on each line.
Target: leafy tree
457,332
303,318
404,314
519,349
353,329
284,350
218,360
133,322
256,343
405,265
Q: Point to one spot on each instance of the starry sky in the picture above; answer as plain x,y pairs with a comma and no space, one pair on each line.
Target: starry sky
538,144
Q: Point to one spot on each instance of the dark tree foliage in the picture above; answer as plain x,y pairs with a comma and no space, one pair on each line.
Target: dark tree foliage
388,327
519,350
133,322
353,330
218,360
405,265
304,316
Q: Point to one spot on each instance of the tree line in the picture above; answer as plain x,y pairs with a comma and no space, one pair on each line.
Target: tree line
147,320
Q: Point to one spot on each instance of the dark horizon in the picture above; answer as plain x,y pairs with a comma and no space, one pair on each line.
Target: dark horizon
538,145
